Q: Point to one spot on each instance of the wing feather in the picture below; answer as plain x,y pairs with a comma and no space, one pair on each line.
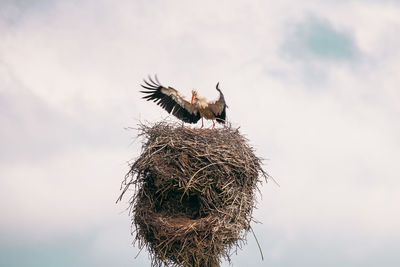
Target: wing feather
170,100
218,107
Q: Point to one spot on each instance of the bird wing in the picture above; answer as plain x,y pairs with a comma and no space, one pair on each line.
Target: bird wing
218,107
170,100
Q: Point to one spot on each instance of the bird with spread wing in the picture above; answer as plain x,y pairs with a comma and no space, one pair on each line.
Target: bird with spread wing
176,104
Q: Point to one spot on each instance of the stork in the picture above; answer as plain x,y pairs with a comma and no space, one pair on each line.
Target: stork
191,112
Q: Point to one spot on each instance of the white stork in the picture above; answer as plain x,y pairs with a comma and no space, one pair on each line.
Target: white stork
191,112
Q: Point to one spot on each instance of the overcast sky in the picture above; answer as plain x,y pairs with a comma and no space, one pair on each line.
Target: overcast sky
313,84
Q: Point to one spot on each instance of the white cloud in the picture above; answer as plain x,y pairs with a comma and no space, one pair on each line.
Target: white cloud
74,192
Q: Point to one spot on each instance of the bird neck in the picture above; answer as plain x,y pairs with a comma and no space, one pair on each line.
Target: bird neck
201,101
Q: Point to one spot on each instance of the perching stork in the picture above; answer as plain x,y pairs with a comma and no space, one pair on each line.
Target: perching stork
191,112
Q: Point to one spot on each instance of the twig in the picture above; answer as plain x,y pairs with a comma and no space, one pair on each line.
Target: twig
258,244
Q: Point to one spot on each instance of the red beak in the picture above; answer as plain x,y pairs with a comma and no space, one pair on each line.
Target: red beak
191,102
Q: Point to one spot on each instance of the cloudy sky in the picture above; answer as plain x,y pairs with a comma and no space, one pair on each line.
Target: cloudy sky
314,86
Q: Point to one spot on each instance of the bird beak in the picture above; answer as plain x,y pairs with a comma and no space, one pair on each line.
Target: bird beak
191,102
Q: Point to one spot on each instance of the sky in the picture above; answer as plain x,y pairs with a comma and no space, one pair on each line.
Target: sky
314,85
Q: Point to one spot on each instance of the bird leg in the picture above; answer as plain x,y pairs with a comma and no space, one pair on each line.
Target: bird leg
213,124
202,124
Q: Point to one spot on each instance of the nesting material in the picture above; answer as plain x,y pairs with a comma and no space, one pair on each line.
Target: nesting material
194,193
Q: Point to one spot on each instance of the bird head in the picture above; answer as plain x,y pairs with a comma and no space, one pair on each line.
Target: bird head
194,94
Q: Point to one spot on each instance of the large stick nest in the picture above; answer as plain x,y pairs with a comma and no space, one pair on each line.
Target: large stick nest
194,193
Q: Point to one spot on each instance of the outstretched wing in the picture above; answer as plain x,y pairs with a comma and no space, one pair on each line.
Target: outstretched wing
170,100
218,107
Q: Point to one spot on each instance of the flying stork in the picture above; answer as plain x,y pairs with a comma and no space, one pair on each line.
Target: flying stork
191,112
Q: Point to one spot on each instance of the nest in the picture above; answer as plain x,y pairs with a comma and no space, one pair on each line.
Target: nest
194,193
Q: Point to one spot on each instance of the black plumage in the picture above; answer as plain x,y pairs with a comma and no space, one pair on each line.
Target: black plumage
170,100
